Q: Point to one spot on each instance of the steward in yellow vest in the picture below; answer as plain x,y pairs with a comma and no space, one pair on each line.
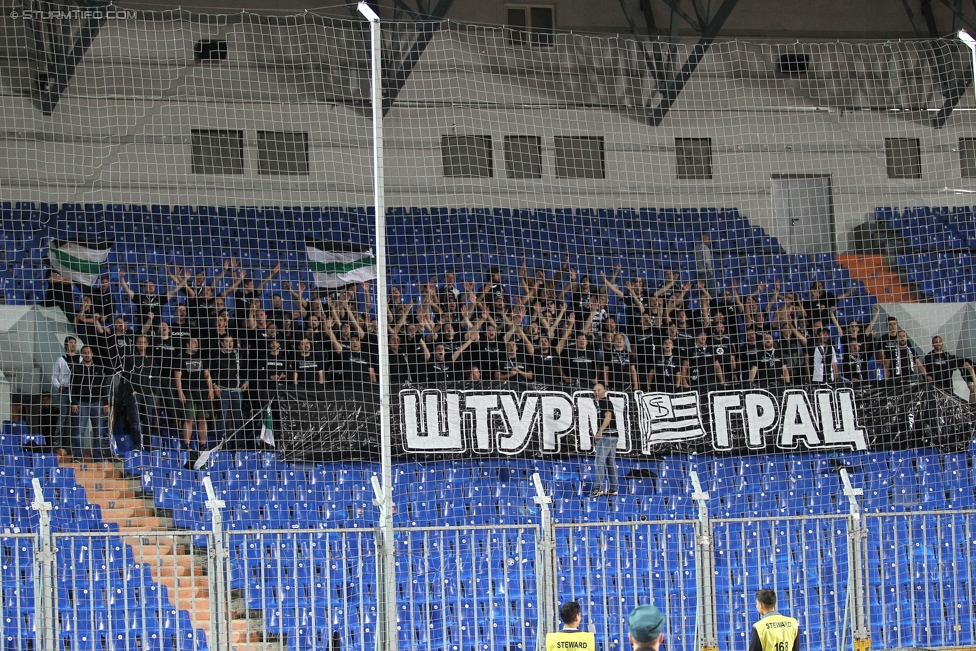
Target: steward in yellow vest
773,632
570,638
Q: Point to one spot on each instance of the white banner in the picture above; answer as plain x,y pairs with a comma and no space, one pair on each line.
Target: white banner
551,422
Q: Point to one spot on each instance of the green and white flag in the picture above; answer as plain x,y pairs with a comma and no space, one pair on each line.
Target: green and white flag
335,264
82,261
267,433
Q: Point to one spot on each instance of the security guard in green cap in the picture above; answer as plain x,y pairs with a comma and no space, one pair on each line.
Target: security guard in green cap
646,624
773,632
570,637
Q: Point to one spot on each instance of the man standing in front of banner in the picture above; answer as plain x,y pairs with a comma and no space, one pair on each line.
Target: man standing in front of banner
773,632
605,444
570,637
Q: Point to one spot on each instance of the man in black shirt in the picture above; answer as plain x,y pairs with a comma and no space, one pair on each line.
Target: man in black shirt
269,374
103,303
440,367
666,373
821,302
230,385
768,368
941,365
168,353
547,365
149,304
724,352
701,370
605,444
195,392
619,369
142,372
120,344
399,363
307,372
489,352
583,363
89,402
179,327
854,365
903,363
354,367
887,345
513,367
747,352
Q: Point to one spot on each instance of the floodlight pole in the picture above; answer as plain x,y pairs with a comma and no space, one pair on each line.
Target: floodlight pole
387,637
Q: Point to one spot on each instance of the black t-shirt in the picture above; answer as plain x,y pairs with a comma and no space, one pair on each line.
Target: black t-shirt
602,407
666,370
142,372
546,368
400,370
619,364
506,364
634,310
307,369
168,355
769,365
941,366
854,367
192,369
444,370
888,343
746,352
582,365
201,312
819,309
180,332
701,366
487,355
146,303
103,303
642,347
904,363
723,350
353,367
225,370
268,367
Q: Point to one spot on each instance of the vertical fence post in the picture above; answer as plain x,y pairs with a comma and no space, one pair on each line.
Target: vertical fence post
545,564
217,566
44,594
705,562
856,554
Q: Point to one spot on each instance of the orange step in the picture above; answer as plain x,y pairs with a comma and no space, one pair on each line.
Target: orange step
878,279
170,562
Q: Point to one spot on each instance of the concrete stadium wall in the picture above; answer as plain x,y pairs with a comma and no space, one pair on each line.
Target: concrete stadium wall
122,134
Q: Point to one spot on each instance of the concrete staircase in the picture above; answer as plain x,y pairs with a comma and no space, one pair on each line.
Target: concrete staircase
168,551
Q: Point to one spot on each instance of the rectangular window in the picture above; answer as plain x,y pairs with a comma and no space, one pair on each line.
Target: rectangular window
580,157
217,151
693,158
523,157
467,156
903,157
531,25
967,157
282,153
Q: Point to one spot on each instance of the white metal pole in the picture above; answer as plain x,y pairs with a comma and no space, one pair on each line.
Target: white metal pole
388,639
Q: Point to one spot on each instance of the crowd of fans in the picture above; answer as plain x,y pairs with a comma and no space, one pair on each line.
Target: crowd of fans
216,362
